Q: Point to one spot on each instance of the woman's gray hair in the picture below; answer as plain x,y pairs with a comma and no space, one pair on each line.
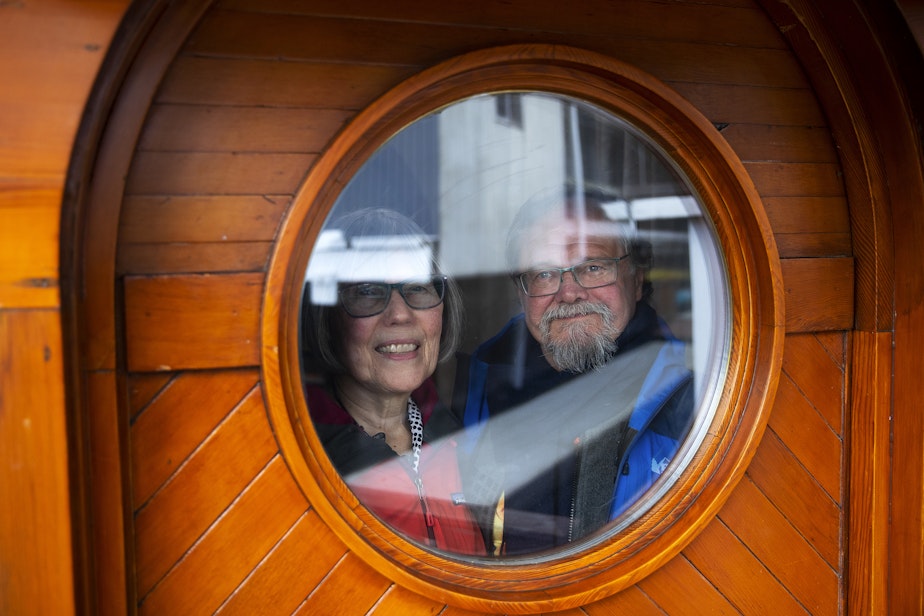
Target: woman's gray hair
320,322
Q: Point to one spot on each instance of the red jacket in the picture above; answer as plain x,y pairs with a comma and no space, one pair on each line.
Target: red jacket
384,482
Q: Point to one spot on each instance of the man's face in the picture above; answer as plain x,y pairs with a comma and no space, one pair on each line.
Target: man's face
577,327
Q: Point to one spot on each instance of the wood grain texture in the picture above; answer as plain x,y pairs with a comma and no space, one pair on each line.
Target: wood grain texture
292,569
28,236
819,294
225,76
353,587
195,151
35,530
108,476
194,321
201,488
231,547
871,434
177,421
191,219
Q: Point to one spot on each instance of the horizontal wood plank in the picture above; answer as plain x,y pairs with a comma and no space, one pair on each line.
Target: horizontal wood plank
201,490
812,245
224,81
28,245
232,547
221,173
733,103
192,321
789,144
796,180
818,294
415,43
198,128
807,214
734,23
232,218
203,257
36,149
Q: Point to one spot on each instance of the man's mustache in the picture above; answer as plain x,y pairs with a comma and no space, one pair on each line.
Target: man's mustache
566,311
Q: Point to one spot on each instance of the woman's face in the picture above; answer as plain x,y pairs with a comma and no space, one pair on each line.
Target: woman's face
393,352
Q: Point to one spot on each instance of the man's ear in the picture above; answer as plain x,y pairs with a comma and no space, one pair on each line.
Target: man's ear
639,284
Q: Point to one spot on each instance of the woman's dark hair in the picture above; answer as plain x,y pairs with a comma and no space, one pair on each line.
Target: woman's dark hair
319,321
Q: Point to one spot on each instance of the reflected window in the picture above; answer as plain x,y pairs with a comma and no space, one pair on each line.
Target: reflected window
514,327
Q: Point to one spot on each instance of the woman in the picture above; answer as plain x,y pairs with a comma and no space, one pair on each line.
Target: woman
375,409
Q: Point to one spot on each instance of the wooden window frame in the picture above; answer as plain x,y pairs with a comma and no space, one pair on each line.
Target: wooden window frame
576,576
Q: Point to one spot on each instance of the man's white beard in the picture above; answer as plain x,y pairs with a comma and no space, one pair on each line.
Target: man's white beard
577,349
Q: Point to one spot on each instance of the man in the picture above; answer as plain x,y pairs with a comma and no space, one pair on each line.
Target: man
578,405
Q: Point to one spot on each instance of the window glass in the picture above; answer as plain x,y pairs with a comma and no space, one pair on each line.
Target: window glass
515,323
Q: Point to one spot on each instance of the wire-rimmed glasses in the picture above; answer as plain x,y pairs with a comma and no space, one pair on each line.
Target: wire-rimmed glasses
589,274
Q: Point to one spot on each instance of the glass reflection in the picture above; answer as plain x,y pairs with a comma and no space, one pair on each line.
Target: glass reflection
544,417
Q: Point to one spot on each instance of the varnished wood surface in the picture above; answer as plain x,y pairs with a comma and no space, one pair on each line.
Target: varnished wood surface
777,120
221,82
49,56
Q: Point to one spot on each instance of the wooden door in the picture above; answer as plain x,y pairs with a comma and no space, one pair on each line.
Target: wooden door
209,137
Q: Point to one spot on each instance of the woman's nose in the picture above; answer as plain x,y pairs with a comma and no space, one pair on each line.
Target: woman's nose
397,309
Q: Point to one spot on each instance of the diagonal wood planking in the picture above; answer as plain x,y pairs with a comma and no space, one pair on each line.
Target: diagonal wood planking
218,505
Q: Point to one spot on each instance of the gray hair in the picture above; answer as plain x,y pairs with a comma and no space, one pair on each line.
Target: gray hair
585,207
319,322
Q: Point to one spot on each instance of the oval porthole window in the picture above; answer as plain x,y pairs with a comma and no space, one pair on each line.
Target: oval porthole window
523,326
515,317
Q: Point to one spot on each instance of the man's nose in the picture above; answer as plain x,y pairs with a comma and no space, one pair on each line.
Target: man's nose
570,289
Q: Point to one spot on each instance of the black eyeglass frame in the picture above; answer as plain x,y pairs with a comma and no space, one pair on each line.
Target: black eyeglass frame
439,283
561,275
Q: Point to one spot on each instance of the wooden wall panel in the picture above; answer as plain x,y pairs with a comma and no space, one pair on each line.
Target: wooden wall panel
178,420
230,548
29,270
291,570
231,129
819,294
35,530
194,321
236,125
201,488
191,219
352,587
794,491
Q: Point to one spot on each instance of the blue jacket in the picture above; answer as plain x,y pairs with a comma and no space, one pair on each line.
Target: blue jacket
569,452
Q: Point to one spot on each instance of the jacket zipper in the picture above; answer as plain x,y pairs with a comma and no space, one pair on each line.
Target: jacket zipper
575,471
425,508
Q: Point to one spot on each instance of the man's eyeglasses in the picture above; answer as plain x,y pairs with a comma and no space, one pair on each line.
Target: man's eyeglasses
367,299
589,274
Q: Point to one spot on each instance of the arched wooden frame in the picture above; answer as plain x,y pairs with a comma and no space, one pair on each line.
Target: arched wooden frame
754,361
